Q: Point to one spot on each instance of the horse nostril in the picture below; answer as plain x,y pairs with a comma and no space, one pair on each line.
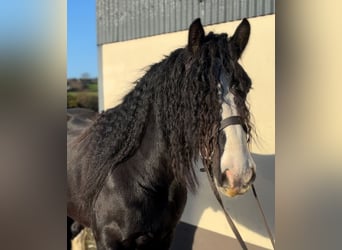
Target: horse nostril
250,176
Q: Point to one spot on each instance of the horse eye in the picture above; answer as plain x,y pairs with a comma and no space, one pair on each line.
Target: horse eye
234,85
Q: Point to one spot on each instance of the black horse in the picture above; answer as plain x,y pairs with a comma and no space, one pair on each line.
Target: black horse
129,168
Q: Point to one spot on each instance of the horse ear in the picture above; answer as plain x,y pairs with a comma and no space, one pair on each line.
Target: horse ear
240,38
196,35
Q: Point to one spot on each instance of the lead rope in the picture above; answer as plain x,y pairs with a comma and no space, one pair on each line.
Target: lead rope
218,197
229,219
263,216
225,123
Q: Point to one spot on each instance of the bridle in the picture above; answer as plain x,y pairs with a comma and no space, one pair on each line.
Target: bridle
232,120
209,157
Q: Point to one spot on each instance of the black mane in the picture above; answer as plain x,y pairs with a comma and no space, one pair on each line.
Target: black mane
182,92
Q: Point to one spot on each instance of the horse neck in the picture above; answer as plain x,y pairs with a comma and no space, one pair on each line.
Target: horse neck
150,164
153,143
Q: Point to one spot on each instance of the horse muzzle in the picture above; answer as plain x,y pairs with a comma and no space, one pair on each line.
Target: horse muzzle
233,185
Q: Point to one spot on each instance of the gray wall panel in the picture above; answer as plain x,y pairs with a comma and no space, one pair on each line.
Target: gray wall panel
120,20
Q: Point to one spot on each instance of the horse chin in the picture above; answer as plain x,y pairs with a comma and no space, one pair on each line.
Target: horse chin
232,192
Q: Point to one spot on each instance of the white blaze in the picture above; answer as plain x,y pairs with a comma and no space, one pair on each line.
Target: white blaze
236,156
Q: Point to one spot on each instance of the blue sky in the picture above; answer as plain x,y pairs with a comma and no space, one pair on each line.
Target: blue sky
81,38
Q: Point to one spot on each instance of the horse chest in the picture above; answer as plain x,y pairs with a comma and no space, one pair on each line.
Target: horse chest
131,215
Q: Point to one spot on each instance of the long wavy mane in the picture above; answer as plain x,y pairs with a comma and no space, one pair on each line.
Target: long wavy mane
182,93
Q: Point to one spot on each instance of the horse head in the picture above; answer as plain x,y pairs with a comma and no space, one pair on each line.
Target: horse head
235,171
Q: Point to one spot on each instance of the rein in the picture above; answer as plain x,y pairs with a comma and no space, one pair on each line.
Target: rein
208,162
